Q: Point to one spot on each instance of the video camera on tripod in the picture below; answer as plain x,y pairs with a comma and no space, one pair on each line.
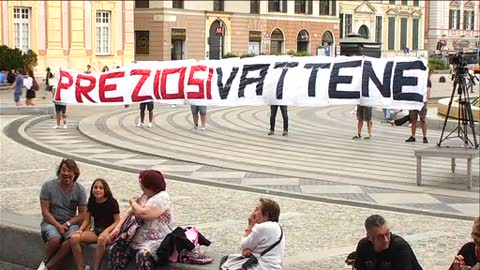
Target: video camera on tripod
465,129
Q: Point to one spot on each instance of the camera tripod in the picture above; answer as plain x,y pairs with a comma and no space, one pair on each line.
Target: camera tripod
465,115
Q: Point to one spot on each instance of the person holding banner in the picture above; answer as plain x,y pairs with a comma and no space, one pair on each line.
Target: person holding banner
149,105
414,114
202,110
363,114
273,115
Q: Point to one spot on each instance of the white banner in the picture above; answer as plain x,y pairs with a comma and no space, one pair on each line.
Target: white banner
398,83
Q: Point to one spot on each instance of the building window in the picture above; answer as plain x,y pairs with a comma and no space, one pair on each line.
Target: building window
468,20
378,29
254,42
454,19
142,42
348,20
21,25
403,33
364,32
392,2
179,35
303,40
324,7
328,8
391,33
277,6
341,25
345,24
416,3
276,42
103,32
142,3
303,6
404,2
218,5
177,3
255,6
416,25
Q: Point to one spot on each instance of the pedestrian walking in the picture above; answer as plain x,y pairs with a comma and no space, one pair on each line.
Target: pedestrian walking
49,81
17,86
32,87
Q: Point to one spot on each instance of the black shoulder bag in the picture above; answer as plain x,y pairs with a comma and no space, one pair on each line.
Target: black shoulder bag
252,260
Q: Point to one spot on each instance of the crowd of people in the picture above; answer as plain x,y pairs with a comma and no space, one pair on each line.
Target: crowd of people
70,219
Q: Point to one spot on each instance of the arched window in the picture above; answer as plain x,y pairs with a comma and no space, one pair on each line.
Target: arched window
327,38
276,42
364,32
216,41
303,41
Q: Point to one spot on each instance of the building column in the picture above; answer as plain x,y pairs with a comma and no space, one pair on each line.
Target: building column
5,34
42,28
120,28
87,13
65,27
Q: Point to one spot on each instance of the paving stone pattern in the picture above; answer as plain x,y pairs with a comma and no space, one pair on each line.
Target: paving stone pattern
323,164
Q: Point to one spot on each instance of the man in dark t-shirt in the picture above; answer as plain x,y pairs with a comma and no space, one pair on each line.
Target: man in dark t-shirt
382,250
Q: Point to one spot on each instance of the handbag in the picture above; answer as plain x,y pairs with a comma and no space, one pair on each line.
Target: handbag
238,262
128,229
35,86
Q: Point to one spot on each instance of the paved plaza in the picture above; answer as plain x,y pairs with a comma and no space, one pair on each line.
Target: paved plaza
326,184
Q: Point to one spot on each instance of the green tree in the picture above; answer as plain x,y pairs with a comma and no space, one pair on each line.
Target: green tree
11,58
30,59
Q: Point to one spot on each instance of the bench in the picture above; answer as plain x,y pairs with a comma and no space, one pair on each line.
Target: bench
448,152
22,244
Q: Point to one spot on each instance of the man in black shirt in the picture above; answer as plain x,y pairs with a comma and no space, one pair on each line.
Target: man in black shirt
382,250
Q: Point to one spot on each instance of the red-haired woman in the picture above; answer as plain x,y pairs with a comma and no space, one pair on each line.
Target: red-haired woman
155,212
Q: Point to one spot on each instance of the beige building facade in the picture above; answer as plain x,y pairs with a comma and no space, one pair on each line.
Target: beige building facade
70,34
174,30
455,23
397,24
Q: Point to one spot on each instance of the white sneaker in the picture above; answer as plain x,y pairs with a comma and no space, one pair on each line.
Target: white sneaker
149,125
173,105
87,267
65,126
42,266
195,127
140,125
56,127
203,128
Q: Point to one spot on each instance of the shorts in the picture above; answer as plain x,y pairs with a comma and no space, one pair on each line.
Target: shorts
422,113
149,106
16,97
364,113
60,108
198,109
49,231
